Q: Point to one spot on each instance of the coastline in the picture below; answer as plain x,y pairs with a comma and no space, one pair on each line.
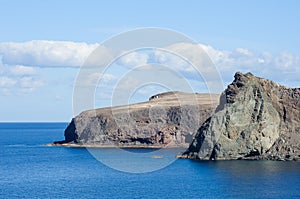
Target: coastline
179,155
73,145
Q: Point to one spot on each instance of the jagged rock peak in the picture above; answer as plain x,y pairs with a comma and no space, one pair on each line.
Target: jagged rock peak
256,119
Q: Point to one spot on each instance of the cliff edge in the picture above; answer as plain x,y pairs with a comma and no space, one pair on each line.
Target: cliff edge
166,120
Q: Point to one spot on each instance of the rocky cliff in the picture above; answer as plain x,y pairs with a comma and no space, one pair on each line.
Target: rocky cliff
256,119
166,120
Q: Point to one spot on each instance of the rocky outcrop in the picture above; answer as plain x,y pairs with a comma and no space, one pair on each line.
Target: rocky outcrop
256,119
166,120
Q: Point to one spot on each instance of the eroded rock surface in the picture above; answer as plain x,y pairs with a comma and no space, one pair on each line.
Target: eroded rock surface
256,119
166,120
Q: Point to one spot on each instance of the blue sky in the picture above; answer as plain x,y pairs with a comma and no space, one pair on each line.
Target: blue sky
37,85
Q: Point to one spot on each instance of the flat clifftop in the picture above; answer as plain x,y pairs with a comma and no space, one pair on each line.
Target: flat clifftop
166,120
256,119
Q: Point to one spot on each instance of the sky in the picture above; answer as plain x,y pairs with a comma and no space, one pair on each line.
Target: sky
43,44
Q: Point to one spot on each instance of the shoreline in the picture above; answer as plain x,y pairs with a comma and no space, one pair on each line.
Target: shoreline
178,156
111,146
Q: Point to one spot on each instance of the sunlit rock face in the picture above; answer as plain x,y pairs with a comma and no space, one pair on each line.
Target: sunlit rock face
256,119
166,120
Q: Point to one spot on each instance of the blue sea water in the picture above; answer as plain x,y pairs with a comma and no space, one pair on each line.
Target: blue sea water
31,170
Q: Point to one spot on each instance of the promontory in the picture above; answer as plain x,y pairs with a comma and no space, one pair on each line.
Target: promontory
254,118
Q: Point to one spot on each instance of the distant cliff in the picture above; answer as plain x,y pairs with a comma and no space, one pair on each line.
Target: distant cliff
166,120
256,119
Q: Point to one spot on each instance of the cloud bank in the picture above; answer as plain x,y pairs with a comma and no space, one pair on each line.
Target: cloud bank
43,53
18,61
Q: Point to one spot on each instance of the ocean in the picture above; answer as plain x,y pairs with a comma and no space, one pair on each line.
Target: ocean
29,169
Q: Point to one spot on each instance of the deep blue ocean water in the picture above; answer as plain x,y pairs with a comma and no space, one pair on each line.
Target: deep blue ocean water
31,170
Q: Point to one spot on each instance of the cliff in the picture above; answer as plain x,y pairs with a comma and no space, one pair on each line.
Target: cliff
166,120
256,119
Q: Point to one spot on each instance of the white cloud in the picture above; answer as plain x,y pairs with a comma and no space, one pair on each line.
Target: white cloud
7,81
278,67
2,70
100,57
133,59
43,53
242,58
286,60
274,66
217,56
18,79
5,91
95,78
23,70
171,59
20,59
30,82
13,85
189,58
243,51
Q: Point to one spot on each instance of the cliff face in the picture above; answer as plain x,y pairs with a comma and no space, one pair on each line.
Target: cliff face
256,119
166,120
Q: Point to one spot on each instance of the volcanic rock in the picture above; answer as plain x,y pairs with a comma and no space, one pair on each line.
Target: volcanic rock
166,120
256,119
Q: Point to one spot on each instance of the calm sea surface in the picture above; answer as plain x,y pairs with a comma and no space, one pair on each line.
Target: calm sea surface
31,170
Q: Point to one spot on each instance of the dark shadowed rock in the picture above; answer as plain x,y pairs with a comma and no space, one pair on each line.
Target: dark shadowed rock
166,120
256,119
